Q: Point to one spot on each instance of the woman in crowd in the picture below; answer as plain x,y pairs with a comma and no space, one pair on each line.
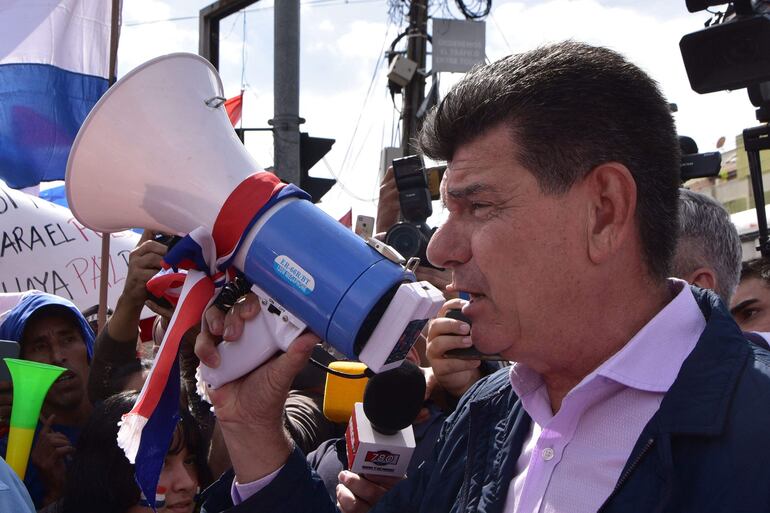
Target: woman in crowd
101,479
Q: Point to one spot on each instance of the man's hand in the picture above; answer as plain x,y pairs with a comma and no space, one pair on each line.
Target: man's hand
143,263
357,494
388,206
48,455
250,409
455,376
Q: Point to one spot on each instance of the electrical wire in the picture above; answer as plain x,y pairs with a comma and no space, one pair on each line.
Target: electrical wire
368,373
380,59
243,55
312,3
502,34
477,9
344,188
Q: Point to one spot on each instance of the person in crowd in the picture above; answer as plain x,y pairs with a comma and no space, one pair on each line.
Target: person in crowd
116,344
14,496
116,365
630,391
750,304
51,330
91,315
708,251
101,479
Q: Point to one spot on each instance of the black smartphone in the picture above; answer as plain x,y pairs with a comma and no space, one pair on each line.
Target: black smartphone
468,353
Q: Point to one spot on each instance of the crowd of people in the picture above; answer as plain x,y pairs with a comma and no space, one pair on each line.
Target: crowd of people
634,341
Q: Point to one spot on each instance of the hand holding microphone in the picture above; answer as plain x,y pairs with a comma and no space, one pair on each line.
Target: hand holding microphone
379,438
446,334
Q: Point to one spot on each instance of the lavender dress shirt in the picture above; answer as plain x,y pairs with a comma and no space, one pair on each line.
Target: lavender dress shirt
571,460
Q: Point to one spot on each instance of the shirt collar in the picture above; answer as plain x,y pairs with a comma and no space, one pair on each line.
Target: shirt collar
651,360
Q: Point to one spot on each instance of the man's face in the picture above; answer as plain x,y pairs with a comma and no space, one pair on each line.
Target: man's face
55,338
750,305
517,251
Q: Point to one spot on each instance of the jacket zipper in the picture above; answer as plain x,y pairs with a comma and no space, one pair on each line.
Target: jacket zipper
628,471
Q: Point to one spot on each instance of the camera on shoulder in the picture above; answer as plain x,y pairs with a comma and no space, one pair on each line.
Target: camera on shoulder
410,237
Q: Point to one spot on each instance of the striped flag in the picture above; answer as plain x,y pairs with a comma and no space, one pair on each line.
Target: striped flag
193,272
54,64
234,108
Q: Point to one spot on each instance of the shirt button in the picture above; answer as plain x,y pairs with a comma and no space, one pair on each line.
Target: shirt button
547,454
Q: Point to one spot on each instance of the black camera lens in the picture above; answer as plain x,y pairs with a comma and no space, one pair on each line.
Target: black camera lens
406,239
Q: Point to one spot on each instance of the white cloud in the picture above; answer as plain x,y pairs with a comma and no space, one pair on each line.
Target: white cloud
341,44
648,41
326,26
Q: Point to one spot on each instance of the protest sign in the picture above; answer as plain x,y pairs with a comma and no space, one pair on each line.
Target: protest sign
43,247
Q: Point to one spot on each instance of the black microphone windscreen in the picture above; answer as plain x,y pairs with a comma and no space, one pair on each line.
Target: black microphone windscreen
392,399
687,145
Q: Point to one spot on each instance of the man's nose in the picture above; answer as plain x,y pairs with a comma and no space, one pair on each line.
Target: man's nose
58,356
448,247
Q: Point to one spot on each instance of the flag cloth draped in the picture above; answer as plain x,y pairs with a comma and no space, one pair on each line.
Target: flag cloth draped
194,270
54,64
347,219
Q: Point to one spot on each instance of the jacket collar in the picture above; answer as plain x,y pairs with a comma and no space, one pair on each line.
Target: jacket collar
698,401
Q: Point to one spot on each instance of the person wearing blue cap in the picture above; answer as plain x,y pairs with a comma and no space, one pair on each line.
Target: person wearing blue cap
51,330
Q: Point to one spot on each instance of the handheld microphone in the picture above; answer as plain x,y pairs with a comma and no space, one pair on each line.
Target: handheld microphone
468,353
379,438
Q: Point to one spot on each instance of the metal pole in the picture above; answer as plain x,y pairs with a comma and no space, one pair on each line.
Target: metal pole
101,317
414,92
286,118
754,140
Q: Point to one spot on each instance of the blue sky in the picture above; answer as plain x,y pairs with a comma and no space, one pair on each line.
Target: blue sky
342,44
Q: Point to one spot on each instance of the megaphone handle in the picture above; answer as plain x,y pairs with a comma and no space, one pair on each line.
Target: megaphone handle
262,337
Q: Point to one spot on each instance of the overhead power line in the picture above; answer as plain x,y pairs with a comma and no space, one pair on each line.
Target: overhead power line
313,3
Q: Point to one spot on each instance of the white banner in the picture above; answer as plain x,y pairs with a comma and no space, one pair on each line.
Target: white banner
43,247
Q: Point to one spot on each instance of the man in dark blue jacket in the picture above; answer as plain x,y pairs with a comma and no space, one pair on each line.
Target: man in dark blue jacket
630,391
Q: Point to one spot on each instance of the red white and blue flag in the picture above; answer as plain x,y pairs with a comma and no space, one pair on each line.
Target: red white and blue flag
54,64
195,269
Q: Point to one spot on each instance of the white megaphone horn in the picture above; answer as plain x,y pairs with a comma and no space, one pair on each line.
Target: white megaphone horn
158,152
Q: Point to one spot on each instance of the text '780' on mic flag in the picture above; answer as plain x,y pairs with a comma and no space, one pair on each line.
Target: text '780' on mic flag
54,64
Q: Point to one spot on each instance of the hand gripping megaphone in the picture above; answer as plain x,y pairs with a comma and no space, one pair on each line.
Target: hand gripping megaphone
158,152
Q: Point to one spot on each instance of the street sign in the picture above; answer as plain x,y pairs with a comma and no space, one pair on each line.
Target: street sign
458,45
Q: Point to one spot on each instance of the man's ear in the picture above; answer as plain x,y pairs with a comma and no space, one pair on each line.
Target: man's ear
612,204
703,277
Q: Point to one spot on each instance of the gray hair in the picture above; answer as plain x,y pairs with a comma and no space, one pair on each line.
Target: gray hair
707,238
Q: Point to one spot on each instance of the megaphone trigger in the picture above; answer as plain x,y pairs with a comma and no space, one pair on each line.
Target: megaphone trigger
274,328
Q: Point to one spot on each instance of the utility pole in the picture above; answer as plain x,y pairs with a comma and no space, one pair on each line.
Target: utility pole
286,118
414,91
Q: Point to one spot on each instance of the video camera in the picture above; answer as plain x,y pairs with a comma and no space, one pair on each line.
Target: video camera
697,165
410,237
733,51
